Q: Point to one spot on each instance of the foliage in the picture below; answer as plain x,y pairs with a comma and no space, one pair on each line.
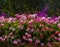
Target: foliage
11,7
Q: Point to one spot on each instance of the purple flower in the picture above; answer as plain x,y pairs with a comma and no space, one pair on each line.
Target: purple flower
46,7
3,14
41,14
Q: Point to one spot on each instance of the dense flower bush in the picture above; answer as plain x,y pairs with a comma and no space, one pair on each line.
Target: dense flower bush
29,29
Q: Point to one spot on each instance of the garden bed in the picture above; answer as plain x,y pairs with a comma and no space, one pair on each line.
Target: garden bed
25,30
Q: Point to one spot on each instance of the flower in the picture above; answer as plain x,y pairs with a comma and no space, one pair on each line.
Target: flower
28,35
42,44
24,37
11,28
1,39
6,37
12,37
10,33
18,40
49,44
21,27
15,42
30,22
58,25
59,34
21,22
27,29
37,41
30,41
55,38
59,39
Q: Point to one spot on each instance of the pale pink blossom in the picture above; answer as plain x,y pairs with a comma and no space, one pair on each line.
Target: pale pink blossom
15,42
42,44
24,37
59,34
27,29
30,22
59,25
12,37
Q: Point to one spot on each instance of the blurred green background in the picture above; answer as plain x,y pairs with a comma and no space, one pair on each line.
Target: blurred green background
11,7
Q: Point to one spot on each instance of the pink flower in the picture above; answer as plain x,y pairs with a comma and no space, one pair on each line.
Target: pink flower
21,26
27,29
15,42
59,39
18,40
42,44
52,35
21,22
10,33
37,41
49,44
30,41
30,22
56,32
43,19
12,37
47,28
2,25
1,39
55,38
24,37
59,34
59,18
37,20
6,37
50,29
14,19
28,35
33,15
59,25
18,16
41,25
32,30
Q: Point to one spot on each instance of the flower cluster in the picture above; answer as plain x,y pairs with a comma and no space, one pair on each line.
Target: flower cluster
29,30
